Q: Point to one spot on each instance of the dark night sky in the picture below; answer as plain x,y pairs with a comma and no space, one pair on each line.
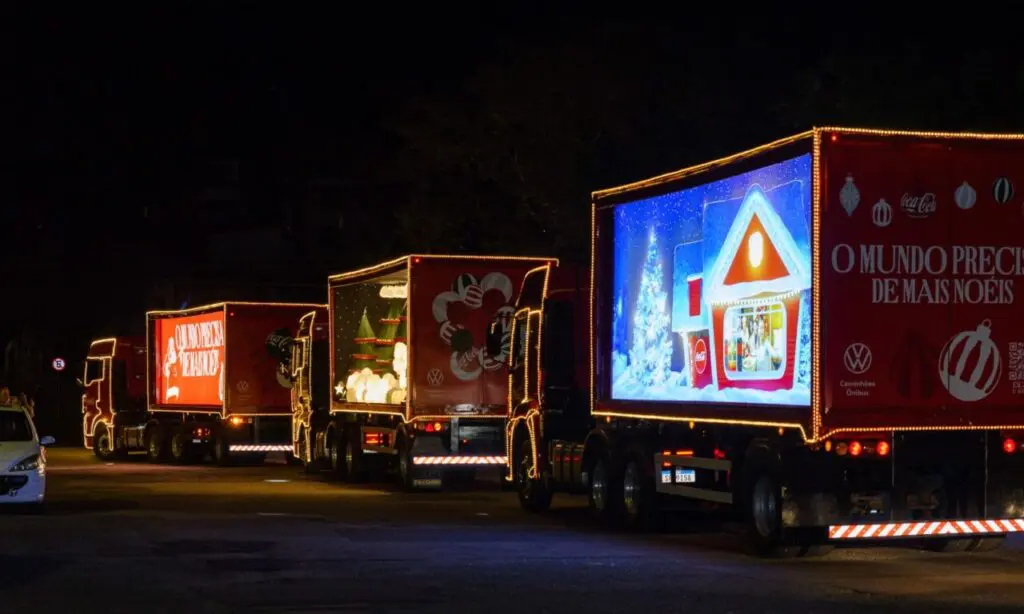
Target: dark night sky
472,130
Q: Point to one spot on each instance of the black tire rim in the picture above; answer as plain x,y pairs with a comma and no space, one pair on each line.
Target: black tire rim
334,458
403,464
178,447
599,487
350,453
154,445
765,507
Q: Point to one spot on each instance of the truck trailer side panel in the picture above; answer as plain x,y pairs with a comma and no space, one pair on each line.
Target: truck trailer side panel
922,255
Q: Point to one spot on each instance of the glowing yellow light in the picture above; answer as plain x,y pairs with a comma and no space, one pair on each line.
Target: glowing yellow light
755,249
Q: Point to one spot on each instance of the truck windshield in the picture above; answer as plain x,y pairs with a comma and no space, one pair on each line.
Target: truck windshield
14,426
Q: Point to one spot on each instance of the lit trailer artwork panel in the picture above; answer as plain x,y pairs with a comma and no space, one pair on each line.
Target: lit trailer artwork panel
229,358
704,303
426,336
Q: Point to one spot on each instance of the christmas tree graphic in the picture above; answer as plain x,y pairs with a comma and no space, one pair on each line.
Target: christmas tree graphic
388,335
366,341
651,354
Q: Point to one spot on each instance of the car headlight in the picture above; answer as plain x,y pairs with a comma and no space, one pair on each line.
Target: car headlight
29,463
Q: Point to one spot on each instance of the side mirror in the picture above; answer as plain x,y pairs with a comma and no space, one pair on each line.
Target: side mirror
47,441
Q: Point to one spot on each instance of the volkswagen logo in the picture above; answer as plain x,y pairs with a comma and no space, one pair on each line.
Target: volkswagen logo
857,358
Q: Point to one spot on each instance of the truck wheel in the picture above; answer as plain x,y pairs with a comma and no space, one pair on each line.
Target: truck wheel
156,445
221,449
405,467
764,510
336,453
534,495
181,451
605,500
354,455
101,445
638,496
986,544
949,545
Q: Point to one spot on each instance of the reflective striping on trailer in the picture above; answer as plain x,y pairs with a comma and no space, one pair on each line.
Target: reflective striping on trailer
458,460
260,448
925,529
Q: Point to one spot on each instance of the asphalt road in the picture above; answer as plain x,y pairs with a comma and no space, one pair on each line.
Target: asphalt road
133,537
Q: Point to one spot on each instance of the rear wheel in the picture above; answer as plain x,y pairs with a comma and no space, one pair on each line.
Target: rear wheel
336,453
181,448
156,445
764,508
534,495
638,496
221,449
986,544
354,455
605,500
405,467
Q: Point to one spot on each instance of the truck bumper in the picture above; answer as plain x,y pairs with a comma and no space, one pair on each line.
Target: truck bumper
930,529
261,435
462,447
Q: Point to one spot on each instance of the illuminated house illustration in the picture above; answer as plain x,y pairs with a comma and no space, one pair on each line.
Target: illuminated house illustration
754,294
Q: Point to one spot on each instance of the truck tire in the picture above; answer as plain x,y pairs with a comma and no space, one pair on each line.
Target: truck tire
405,467
763,505
336,454
638,494
156,445
101,443
181,448
986,544
354,455
605,493
534,495
221,449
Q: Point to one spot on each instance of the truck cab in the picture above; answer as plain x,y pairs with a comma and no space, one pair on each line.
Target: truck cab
310,375
114,390
548,383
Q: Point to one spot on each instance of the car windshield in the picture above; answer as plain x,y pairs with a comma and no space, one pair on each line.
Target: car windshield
14,426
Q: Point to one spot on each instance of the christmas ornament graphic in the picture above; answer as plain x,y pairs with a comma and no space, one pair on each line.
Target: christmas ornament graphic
881,214
965,196
970,365
473,350
1002,190
849,196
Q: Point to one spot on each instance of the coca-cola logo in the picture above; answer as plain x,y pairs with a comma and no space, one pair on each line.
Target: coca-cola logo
919,206
700,356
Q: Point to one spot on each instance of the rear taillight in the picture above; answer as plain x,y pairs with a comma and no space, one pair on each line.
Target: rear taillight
1009,445
856,448
882,449
868,448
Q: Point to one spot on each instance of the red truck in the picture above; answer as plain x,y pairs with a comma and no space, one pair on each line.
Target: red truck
820,335
210,381
416,372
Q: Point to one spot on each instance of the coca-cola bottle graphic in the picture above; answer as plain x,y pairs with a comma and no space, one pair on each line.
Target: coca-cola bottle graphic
912,369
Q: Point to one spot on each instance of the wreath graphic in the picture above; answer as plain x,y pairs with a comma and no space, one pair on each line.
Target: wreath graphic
475,350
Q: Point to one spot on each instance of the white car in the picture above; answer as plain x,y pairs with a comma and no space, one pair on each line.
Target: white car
22,459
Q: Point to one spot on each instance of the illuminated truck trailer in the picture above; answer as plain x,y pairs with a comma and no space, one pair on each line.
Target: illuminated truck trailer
216,384
409,370
821,335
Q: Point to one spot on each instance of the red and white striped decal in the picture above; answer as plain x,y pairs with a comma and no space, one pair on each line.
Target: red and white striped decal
260,448
893,530
458,460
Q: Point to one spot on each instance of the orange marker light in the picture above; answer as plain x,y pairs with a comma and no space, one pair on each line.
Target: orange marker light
883,448
236,420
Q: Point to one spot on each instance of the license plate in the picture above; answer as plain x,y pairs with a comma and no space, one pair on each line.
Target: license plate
426,482
197,441
686,476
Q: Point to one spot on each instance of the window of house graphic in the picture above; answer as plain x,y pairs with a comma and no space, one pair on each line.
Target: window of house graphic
754,337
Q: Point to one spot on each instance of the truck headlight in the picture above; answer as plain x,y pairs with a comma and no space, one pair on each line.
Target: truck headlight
29,463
